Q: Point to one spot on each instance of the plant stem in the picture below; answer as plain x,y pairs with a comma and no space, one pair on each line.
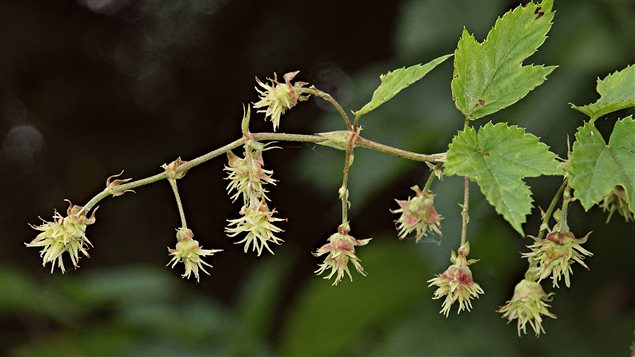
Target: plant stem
333,102
465,217
566,198
175,189
359,141
552,206
344,188
431,177
369,144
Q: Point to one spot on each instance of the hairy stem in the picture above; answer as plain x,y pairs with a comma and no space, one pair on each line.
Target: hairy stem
359,141
566,198
334,103
552,206
344,188
175,189
465,217
431,177
369,144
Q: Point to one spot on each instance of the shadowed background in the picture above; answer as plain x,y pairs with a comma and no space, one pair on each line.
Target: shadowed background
90,87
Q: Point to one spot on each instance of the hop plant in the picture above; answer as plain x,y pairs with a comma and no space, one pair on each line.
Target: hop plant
456,282
63,235
190,253
556,253
340,250
276,98
257,221
418,215
528,305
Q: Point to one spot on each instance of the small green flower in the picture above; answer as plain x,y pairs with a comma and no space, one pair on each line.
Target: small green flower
528,305
64,235
188,252
341,250
555,255
276,98
456,283
418,215
616,201
257,222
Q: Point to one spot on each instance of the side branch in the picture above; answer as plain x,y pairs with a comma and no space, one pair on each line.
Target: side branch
359,142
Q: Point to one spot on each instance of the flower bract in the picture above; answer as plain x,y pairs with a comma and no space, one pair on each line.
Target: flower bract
340,250
456,282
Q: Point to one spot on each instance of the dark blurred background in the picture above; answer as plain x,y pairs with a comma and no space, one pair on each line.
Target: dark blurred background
91,87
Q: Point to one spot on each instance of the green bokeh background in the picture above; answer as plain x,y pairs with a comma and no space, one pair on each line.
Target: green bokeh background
131,85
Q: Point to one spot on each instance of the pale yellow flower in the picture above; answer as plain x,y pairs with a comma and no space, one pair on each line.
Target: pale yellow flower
190,253
64,235
276,98
341,250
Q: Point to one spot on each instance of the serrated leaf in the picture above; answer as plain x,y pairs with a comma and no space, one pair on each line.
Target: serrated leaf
490,76
395,81
498,157
617,91
596,168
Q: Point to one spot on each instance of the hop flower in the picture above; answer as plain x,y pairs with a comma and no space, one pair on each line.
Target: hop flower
340,249
527,305
456,282
556,253
190,253
418,215
258,222
616,201
276,98
247,175
63,235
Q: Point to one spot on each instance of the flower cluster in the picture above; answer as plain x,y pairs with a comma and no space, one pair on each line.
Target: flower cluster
190,253
276,98
257,222
418,215
555,254
528,305
64,235
456,282
340,249
247,177
616,201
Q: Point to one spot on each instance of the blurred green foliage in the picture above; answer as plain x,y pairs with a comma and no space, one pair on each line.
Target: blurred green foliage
280,310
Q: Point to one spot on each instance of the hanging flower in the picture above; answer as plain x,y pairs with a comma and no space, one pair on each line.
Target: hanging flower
418,215
247,175
64,235
276,98
257,222
456,283
190,253
616,201
528,305
341,250
556,253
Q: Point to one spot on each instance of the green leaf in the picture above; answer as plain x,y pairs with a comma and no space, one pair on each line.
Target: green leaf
596,168
617,91
490,76
395,81
498,157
